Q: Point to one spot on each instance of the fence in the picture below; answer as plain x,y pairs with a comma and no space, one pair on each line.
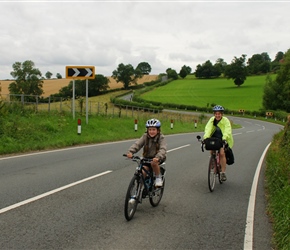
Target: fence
60,104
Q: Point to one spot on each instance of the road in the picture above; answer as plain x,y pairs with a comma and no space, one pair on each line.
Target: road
74,198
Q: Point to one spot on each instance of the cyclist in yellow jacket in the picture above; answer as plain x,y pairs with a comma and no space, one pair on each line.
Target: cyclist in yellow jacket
220,126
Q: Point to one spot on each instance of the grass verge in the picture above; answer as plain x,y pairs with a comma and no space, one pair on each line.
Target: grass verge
30,131
278,188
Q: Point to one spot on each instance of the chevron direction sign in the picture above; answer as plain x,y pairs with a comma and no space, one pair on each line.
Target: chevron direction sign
80,72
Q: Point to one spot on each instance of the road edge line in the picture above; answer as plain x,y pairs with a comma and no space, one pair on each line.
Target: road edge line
248,239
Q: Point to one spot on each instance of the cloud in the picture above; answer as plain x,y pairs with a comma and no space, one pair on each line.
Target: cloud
168,34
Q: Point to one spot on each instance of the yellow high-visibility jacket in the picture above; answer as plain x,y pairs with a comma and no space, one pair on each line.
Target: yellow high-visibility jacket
225,126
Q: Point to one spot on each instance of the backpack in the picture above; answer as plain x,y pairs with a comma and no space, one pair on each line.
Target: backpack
229,156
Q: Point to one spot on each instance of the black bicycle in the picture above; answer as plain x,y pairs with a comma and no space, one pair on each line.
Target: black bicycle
142,186
214,167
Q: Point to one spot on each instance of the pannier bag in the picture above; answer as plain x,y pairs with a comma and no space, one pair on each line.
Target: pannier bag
213,143
229,156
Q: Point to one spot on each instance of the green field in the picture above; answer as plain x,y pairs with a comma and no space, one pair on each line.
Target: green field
204,92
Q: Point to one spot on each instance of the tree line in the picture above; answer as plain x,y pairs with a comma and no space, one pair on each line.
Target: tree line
29,80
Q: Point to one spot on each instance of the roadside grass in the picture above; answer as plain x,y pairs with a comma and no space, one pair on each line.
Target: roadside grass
32,131
278,188
204,92
25,130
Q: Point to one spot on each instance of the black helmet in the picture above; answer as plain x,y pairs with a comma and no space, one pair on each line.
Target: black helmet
218,108
153,123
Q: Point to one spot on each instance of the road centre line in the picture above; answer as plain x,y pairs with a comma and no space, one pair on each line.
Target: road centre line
16,205
170,150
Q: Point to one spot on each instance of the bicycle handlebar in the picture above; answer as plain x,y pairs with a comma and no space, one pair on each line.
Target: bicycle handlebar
139,158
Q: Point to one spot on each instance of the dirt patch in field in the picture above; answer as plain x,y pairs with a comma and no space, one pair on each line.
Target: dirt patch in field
53,86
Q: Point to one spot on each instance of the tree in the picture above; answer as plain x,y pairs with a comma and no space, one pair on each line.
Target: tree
127,75
259,63
207,70
95,87
144,67
220,65
58,76
184,71
48,75
98,85
66,91
171,73
237,70
277,92
27,79
275,64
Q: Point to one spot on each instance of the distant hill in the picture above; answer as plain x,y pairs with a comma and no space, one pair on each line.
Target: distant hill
53,86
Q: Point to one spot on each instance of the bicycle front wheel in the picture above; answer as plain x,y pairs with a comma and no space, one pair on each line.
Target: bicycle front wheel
132,198
212,166
156,195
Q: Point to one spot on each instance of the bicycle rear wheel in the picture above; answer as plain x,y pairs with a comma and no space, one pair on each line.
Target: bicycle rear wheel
156,194
212,167
132,198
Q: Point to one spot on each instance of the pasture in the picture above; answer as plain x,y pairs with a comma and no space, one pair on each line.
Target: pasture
204,92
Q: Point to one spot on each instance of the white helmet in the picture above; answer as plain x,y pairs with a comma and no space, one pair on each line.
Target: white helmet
218,108
153,123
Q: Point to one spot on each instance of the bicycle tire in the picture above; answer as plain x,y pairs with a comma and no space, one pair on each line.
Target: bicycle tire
212,168
156,194
132,193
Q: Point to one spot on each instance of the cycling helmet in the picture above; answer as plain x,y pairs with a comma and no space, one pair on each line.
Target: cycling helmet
153,123
218,108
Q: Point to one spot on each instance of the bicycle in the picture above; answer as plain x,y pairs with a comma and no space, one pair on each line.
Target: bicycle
142,187
214,167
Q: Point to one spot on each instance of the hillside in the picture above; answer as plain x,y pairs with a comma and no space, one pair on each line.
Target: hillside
53,86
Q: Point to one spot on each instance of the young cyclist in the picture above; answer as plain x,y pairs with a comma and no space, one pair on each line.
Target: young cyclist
154,146
220,127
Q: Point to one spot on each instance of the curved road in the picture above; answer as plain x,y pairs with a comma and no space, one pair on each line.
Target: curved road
74,198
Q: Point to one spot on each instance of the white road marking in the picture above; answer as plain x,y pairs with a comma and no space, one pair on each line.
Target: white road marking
248,240
3,210
170,150
62,149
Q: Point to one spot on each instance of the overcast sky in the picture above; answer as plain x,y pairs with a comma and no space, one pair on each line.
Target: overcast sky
166,34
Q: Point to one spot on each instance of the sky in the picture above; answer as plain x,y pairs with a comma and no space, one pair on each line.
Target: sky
165,34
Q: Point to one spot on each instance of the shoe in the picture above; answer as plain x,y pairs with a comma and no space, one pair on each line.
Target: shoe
158,182
223,177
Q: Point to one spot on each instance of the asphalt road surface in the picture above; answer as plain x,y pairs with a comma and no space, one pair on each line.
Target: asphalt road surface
74,198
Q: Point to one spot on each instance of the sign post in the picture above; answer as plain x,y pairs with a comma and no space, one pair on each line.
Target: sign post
80,72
